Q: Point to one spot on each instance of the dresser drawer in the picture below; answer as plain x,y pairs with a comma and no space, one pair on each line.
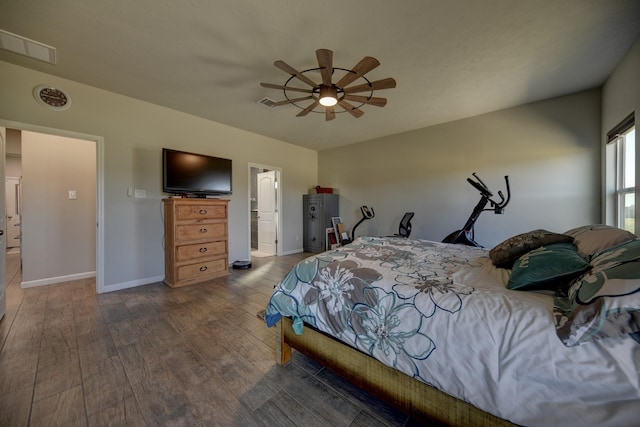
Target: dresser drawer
190,232
201,212
201,250
202,269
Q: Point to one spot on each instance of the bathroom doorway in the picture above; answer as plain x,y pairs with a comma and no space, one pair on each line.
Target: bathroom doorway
264,210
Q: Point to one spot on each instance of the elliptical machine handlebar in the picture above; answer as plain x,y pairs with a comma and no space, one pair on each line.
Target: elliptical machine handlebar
367,213
499,207
475,175
480,187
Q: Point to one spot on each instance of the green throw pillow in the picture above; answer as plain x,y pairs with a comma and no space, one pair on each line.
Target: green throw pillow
548,267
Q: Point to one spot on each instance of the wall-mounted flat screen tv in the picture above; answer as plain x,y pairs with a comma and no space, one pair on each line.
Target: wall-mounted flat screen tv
195,174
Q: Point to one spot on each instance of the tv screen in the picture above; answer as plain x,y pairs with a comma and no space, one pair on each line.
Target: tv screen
195,174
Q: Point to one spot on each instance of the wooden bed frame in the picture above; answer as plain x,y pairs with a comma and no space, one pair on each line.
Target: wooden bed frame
419,400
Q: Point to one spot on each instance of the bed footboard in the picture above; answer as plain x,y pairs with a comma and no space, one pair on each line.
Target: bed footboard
411,396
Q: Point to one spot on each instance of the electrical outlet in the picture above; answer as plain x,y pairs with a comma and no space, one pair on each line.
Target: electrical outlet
140,194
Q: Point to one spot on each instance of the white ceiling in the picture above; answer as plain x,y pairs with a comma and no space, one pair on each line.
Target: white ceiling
451,58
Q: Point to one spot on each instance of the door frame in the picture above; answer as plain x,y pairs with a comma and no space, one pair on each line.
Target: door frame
3,244
99,141
278,172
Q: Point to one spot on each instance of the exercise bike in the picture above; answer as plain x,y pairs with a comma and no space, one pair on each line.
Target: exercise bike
366,214
466,234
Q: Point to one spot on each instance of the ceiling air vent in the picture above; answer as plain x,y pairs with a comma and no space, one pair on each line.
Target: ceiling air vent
267,102
27,47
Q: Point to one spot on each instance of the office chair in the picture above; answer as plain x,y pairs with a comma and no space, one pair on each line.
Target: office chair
404,230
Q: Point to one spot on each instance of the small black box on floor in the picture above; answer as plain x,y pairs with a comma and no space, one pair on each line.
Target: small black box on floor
242,265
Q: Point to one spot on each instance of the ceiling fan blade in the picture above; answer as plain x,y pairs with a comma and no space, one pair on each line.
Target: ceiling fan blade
325,61
329,114
291,101
295,89
365,65
308,109
387,83
355,112
289,69
378,102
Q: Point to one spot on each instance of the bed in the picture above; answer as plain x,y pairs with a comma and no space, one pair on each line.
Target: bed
541,330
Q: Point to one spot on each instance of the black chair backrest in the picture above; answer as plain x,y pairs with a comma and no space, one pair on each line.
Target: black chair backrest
405,224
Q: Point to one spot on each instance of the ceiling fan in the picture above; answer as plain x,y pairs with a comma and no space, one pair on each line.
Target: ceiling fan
327,94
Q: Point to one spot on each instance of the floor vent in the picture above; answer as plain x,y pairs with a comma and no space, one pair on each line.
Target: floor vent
267,102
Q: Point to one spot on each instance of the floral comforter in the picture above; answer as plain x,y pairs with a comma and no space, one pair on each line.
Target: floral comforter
441,313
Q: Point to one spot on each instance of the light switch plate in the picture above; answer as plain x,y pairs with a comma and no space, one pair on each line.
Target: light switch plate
73,195
140,194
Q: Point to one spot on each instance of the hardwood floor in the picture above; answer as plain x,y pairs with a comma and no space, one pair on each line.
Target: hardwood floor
156,356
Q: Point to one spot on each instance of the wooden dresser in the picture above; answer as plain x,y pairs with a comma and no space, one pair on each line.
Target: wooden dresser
196,240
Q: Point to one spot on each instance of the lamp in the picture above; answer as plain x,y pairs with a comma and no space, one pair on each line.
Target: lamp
328,96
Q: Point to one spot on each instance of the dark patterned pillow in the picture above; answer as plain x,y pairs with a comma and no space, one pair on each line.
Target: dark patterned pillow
591,239
549,267
507,252
605,302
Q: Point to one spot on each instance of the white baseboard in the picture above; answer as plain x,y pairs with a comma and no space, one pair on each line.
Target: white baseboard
132,284
294,251
59,279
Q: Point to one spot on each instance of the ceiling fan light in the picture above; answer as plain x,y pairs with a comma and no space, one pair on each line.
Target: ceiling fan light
328,101
328,96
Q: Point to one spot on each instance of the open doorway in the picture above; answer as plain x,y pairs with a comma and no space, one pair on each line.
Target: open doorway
12,261
53,206
264,210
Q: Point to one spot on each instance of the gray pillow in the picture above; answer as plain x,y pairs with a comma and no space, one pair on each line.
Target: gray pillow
592,239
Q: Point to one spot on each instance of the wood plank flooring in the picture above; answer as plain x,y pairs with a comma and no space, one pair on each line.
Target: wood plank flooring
156,356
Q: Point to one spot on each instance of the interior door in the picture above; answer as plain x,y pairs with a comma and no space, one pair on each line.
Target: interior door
3,241
267,212
12,193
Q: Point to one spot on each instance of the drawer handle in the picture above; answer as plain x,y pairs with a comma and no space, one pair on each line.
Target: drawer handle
203,230
203,211
203,250
203,268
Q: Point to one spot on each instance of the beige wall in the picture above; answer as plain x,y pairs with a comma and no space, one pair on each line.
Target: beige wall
549,149
134,133
58,233
621,97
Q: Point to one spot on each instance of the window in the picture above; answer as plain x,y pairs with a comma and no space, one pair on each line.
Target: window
621,175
